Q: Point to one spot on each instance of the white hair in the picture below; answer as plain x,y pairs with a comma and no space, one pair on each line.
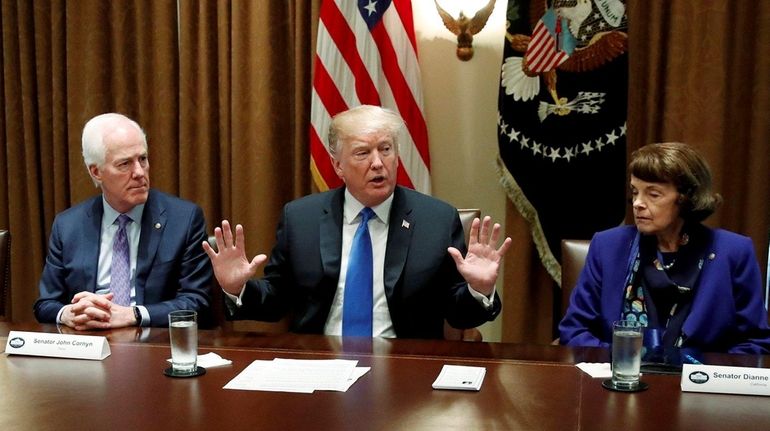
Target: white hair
94,151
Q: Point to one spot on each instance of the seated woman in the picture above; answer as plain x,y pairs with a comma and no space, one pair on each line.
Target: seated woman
690,285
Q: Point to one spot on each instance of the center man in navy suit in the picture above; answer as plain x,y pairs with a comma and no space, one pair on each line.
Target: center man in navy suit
130,255
418,271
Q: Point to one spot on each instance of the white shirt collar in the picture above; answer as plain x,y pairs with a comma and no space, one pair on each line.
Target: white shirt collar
110,214
352,207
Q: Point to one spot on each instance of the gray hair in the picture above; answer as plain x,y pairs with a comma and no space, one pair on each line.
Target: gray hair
94,151
364,119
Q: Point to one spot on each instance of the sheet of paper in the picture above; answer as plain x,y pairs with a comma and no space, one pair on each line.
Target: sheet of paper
596,369
358,372
302,376
259,376
460,377
323,375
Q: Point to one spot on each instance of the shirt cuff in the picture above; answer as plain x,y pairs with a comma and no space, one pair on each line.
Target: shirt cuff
234,302
145,316
58,315
487,302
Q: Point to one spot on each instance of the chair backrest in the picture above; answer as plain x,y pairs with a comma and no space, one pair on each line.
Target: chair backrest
218,315
573,258
466,219
5,275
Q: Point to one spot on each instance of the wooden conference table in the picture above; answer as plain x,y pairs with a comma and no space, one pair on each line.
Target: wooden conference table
528,387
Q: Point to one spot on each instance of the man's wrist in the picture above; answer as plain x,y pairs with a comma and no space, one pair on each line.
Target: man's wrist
486,300
137,315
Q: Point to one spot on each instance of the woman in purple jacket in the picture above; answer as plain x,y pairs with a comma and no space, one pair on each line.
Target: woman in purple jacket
690,285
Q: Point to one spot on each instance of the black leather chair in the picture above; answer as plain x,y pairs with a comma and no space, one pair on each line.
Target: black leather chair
5,275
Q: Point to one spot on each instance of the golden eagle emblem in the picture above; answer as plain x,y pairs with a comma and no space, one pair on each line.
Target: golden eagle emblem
465,27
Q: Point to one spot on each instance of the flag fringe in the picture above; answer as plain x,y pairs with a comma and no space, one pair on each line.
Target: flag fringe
318,178
525,208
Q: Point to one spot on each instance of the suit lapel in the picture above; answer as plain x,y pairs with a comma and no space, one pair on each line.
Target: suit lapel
153,224
330,231
399,237
92,231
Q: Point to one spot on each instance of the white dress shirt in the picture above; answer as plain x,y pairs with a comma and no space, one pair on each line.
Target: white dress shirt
382,326
108,231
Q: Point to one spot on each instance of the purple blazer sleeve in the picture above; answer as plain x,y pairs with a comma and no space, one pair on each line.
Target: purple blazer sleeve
727,313
596,300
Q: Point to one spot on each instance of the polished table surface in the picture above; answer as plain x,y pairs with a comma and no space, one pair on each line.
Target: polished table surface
526,387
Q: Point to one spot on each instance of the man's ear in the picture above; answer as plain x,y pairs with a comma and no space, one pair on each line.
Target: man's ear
95,172
338,168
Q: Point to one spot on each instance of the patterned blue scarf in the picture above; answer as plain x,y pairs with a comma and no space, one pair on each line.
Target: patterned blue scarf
660,288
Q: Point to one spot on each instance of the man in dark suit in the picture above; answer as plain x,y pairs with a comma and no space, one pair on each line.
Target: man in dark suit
417,273
130,255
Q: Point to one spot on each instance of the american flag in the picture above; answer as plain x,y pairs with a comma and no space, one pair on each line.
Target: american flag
366,53
551,43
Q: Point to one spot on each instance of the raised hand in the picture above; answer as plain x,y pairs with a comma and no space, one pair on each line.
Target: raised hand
231,266
480,265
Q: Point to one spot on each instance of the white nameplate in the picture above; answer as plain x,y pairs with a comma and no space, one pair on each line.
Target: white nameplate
725,380
57,345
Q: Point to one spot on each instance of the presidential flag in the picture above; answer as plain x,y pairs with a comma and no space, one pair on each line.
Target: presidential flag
366,53
562,118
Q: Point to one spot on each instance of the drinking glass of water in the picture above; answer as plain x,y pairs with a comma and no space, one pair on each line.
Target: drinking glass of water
183,331
626,355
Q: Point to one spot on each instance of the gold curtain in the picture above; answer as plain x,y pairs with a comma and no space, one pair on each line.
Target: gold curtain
244,110
699,73
222,89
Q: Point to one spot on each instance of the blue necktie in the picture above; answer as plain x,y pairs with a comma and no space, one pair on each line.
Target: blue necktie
357,305
120,271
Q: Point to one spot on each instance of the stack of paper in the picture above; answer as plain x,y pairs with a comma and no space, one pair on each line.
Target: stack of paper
294,375
460,377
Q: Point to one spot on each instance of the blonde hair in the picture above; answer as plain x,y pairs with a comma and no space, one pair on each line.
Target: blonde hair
363,119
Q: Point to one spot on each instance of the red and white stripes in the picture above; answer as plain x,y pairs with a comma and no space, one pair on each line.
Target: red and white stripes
542,53
368,55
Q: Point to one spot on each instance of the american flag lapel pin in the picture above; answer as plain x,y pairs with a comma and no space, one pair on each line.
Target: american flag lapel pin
405,224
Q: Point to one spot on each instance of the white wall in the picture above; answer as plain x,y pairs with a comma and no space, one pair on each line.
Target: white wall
461,112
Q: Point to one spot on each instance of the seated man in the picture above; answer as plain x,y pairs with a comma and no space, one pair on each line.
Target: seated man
136,246
367,259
